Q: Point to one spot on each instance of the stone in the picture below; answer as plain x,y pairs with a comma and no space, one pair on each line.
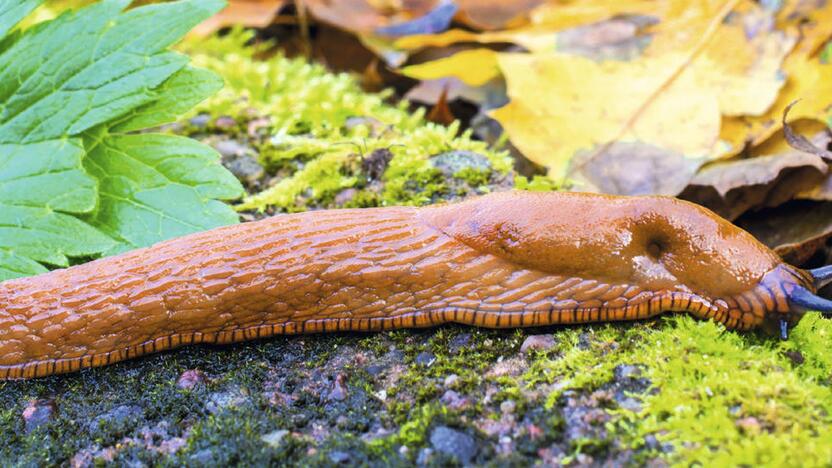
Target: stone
425,359
452,162
118,418
274,438
454,400
246,168
453,443
339,390
451,381
339,457
190,379
38,413
537,343
230,148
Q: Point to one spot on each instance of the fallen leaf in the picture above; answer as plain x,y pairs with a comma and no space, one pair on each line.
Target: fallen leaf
796,231
440,113
800,142
489,96
364,16
633,169
811,19
247,13
806,79
474,67
618,38
436,20
495,14
561,104
732,187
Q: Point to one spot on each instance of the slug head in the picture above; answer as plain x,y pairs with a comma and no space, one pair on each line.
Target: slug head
660,244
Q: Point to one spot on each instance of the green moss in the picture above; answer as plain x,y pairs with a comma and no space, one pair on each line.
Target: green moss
473,176
721,398
536,184
324,122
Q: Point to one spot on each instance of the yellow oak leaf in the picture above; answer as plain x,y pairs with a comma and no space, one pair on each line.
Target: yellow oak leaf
807,80
561,104
474,67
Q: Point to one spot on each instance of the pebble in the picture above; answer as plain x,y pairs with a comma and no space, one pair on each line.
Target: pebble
38,413
425,359
452,162
453,443
796,357
538,343
339,390
425,456
345,196
274,438
451,381
508,406
454,400
230,148
220,400
339,457
374,164
117,418
246,168
225,122
190,379
626,371
200,120
458,342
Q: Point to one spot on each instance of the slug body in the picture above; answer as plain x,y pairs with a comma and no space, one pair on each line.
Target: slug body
511,259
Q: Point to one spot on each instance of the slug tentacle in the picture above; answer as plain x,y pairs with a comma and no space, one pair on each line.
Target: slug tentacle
515,259
822,276
802,297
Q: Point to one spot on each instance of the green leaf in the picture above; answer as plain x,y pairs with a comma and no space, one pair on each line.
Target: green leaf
182,91
13,266
37,196
13,11
94,74
140,176
88,67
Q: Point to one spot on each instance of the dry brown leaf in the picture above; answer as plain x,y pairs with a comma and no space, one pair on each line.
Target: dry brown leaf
800,142
561,104
733,187
367,15
248,13
495,14
440,112
633,169
796,230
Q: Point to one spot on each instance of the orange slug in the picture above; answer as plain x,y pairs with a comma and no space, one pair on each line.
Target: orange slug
514,259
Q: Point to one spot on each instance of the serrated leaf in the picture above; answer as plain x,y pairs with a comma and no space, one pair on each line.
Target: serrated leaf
140,175
47,174
182,91
14,266
84,72
41,185
48,236
13,11
88,67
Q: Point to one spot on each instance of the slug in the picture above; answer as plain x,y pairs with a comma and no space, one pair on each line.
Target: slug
514,259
